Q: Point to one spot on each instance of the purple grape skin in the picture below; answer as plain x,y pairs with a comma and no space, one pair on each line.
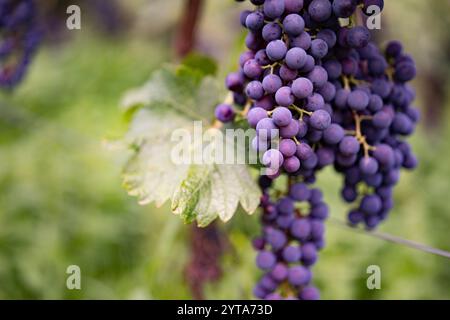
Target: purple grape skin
243,17
375,103
328,92
285,206
255,115
320,120
299,192
302,88
301,41
319,211
315,102
293,24
329,36
344,8
319,48
371,204
281,116
291,164
325,156
358,100
302,129
234,81
295,58
394,49
284,97
255,21
333,68
252,69
293,6
368,165
271,83
333,134
291,254
320,10
290,130
287,74
288,147
272,159
247,55
318,76
309,65
298,275
276,238
267,103
276,50
279,272
266,124
304,151
262,58
259,292
300,229
273,8
271,31
349,146
384,155
268,283
309,293
358,37
254,90
382,119
309,254
224,113
317,229
265,260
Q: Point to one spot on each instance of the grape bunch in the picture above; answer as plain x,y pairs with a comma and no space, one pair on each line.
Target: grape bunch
19,39
320,93
291,239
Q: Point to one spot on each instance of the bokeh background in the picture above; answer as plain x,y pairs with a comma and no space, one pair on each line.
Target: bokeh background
61,200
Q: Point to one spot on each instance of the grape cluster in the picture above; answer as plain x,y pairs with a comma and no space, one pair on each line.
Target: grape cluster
332,97
19,39
291,239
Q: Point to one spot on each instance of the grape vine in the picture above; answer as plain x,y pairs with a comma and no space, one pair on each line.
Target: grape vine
335,99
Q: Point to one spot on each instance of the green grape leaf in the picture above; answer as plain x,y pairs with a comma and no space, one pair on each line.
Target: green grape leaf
173,99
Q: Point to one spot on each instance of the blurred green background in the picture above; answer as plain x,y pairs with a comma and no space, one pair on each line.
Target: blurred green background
61,200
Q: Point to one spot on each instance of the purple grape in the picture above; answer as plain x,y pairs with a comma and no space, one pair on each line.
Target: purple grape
299,275
290,130
284,97
358,37
276,50
318,76
265,260
273,8
291,164
301,41
224,113
304,151
271,31
293,24
254,90
252,69
255,115
255,21
368,165
281,116
271,83
301,229
302,88
295,58
333,134
320,120
288,147
349,146
309,293
319,48
291,254
358,100
320,10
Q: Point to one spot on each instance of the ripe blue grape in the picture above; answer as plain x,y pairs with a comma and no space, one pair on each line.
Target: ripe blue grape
276,50
224,112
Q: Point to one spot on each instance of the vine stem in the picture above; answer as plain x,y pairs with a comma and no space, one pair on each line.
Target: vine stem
186,33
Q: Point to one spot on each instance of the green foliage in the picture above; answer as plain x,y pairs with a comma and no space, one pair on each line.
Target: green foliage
171,100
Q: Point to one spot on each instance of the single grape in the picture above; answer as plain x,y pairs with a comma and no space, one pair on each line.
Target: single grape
254,90
265,260
281,116
320,120
284,97
320,10
224,113
271,83
349,146
276,50
302,88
